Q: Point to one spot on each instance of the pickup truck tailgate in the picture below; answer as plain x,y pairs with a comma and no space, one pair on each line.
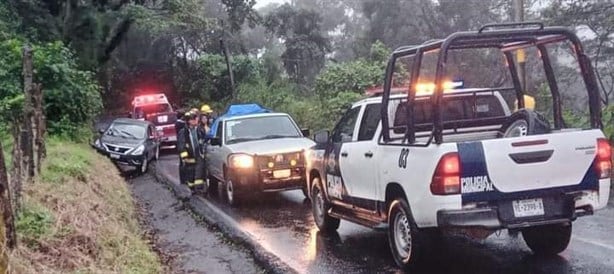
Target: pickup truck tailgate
528,166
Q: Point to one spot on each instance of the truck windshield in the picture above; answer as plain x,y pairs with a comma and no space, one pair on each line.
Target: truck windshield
260,128
127,130
142,111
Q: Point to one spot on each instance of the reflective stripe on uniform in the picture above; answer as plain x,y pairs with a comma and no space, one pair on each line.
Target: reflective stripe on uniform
184,154
196,182
189,160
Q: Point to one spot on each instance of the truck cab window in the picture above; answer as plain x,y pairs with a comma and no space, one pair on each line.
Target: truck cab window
369,122
344,131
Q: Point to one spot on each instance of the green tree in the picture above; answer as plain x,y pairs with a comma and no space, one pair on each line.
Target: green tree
71,95
213,81
341,84
306,44
239,12
92,28
597,19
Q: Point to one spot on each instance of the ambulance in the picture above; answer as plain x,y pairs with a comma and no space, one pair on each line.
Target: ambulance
156,109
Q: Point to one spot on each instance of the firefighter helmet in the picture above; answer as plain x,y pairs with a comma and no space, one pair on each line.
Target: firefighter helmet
206,109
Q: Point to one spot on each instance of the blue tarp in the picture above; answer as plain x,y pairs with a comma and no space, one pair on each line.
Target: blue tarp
236,110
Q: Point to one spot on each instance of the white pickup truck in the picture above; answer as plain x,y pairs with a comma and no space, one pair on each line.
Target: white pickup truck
254,150
436,158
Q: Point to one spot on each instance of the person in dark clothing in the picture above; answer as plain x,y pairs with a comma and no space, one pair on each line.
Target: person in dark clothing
179,124
189,147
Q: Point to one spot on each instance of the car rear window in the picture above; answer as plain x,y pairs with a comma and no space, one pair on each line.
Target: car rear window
460,108
163,118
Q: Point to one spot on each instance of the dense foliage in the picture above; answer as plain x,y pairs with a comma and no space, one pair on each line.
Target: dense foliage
310,58
71,95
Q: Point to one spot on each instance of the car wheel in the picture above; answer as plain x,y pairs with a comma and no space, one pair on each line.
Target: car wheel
320,207
404,238
144,166
547,239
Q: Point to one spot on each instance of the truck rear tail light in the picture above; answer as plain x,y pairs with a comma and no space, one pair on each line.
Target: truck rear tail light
603,159
446,179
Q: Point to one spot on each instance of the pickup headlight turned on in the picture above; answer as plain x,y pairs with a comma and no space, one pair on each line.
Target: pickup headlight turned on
138,150
240,161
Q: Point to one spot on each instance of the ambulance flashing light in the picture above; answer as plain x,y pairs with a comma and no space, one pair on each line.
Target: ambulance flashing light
151,98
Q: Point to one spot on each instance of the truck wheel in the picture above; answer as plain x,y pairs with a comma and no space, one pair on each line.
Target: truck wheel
404,238
213,185
518,128
320,207
229,190
547,239
526,122
304,190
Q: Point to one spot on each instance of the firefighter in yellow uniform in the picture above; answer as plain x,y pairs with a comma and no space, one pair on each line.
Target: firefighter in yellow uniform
189,147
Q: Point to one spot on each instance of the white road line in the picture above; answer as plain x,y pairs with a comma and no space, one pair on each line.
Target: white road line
594,242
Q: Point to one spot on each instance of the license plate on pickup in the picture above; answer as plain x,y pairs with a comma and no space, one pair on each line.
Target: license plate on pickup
283,173
527,208
114,156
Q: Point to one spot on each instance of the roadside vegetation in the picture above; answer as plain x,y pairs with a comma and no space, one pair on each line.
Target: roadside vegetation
310,58
79,217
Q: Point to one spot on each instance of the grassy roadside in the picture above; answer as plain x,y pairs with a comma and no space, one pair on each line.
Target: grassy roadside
79,217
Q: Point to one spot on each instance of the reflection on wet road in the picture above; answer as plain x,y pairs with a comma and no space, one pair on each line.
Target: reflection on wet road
282,223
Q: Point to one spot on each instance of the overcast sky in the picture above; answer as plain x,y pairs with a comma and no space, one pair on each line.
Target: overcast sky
263,3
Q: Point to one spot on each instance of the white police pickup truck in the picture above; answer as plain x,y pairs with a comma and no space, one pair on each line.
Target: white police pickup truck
441,157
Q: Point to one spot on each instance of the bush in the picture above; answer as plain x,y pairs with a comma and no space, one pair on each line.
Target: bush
33,223
82,221
71,162
336,87
71,95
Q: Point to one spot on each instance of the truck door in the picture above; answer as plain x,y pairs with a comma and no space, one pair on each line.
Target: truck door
359,165
336,154
214,154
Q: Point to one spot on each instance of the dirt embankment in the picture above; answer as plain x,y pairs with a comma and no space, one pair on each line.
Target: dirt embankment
80,217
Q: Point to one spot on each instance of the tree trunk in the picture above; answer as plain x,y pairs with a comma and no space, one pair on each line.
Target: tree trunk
39,127
17,170
28,123
8,216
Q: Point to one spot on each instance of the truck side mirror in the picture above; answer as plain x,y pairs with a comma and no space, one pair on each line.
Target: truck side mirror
306,132
321,137
215,141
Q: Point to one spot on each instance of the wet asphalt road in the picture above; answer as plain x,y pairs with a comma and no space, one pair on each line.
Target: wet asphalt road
191,246
283,225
